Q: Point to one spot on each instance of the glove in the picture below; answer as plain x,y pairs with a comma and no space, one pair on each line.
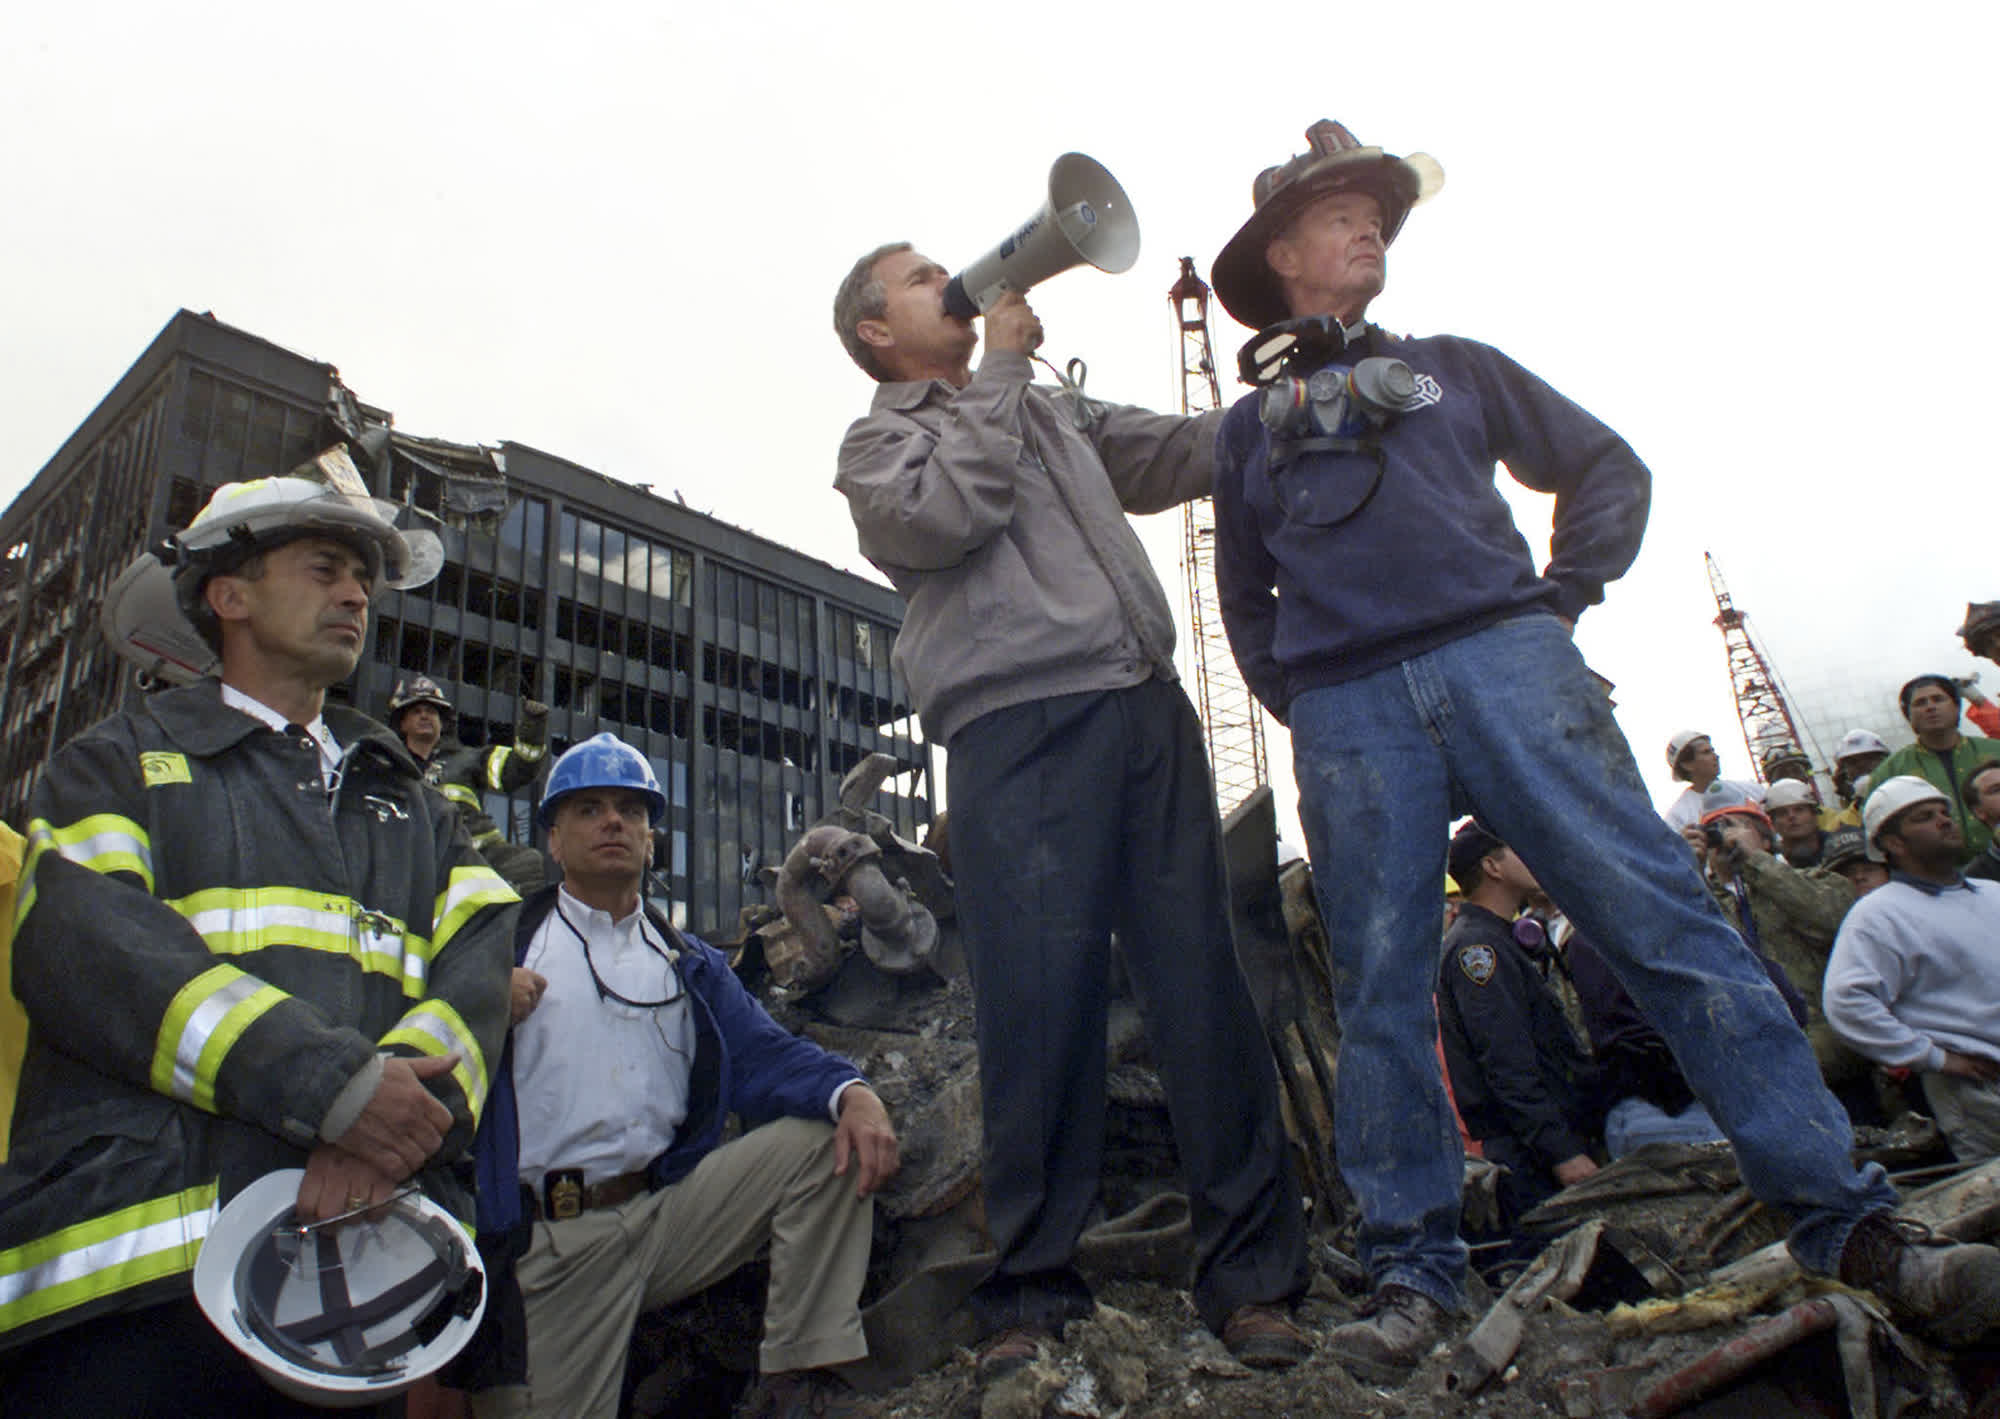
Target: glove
534,729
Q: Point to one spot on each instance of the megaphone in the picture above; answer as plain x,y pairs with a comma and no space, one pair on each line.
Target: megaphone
1086,218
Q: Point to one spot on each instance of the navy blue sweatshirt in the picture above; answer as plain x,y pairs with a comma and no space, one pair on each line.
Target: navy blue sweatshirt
1434,554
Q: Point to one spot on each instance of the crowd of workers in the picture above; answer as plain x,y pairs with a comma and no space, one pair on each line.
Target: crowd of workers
256,937
1896,1000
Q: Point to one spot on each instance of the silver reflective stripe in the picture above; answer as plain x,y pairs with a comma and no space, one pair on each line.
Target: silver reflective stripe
85,1261
201,1024
254,921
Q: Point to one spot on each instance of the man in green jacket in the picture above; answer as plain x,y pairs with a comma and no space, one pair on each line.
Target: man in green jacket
1932,704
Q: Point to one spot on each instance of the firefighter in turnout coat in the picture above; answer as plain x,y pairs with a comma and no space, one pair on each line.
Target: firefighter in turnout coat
249,938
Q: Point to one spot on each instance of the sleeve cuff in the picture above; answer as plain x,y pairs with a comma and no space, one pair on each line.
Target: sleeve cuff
833,1104
1007,366
351,1100
1572,599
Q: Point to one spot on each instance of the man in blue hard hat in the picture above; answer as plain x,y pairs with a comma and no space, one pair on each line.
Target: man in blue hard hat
608,1112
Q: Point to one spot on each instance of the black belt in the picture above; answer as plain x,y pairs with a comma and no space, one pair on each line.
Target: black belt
565,1194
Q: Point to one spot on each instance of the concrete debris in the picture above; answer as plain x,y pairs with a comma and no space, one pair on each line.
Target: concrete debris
1656,1287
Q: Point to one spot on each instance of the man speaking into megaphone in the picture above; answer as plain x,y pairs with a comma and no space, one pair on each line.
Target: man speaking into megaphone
1038,646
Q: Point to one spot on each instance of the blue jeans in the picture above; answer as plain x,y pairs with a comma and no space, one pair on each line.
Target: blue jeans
1634,1122
1506,723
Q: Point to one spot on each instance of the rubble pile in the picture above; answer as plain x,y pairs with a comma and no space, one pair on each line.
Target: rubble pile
1664,1289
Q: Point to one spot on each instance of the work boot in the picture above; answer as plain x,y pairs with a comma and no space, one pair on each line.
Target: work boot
800,1394
1947,1291
1397,1328
1264,1338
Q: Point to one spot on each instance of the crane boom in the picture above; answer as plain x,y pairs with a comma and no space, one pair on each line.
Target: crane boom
1231,719
1762,706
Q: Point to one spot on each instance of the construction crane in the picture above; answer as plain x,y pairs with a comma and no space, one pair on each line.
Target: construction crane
1761,702
1231,718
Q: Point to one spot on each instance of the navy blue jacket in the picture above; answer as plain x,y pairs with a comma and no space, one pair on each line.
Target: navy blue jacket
745,1063
1434,554
1517,1071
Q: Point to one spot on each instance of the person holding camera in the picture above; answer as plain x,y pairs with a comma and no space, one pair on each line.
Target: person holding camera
1382,603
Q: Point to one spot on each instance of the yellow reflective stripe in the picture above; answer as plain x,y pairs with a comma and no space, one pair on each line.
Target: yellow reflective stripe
237,920
103,842
435,1028
461,795
495,762
205,1019
108,842
104,1255
468,890
530,753
40,840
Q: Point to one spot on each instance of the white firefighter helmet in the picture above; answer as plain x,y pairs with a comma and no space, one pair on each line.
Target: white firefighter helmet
150,610
1894,795
340,1315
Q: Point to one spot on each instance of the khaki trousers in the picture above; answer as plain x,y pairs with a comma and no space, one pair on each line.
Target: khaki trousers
1967,1113
586,1280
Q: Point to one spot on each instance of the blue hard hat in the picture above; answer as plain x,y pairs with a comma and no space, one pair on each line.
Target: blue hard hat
601,761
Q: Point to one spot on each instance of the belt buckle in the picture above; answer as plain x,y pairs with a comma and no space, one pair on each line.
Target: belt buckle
562,1194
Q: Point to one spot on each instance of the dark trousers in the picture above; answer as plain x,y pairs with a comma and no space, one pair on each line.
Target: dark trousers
1072,817
163,1362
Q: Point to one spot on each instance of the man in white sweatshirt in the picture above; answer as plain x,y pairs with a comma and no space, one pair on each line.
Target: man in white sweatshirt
1914,979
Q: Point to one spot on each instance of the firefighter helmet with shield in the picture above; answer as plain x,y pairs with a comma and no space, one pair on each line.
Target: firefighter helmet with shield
153,614
342,1313
243,519
414,690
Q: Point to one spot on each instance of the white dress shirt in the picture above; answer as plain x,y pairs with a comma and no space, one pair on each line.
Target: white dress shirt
602,1085
329,747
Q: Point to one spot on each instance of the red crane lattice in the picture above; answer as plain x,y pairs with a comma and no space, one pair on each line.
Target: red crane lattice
1761,703
1231,718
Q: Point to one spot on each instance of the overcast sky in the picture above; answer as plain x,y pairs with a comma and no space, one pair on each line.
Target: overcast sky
1755,238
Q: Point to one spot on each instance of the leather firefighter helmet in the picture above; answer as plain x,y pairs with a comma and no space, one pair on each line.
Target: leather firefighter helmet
418,690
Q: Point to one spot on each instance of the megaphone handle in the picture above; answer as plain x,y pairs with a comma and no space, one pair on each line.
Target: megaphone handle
956,301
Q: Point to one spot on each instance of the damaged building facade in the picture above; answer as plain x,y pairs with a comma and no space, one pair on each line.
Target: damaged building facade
752,676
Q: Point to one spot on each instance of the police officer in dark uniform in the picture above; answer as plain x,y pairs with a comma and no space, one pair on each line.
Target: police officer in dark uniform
1525,1088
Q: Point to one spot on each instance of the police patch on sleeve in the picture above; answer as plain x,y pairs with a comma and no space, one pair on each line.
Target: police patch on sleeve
1477,962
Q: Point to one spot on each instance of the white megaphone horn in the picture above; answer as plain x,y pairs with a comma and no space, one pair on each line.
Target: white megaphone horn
1086,218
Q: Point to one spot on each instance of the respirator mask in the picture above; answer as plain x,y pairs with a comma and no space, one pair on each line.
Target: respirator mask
1314,400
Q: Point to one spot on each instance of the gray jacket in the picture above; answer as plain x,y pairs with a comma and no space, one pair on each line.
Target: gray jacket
1003,526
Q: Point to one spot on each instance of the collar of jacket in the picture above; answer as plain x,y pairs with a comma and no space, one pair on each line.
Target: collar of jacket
1928,887
536,908
910,393
195,718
